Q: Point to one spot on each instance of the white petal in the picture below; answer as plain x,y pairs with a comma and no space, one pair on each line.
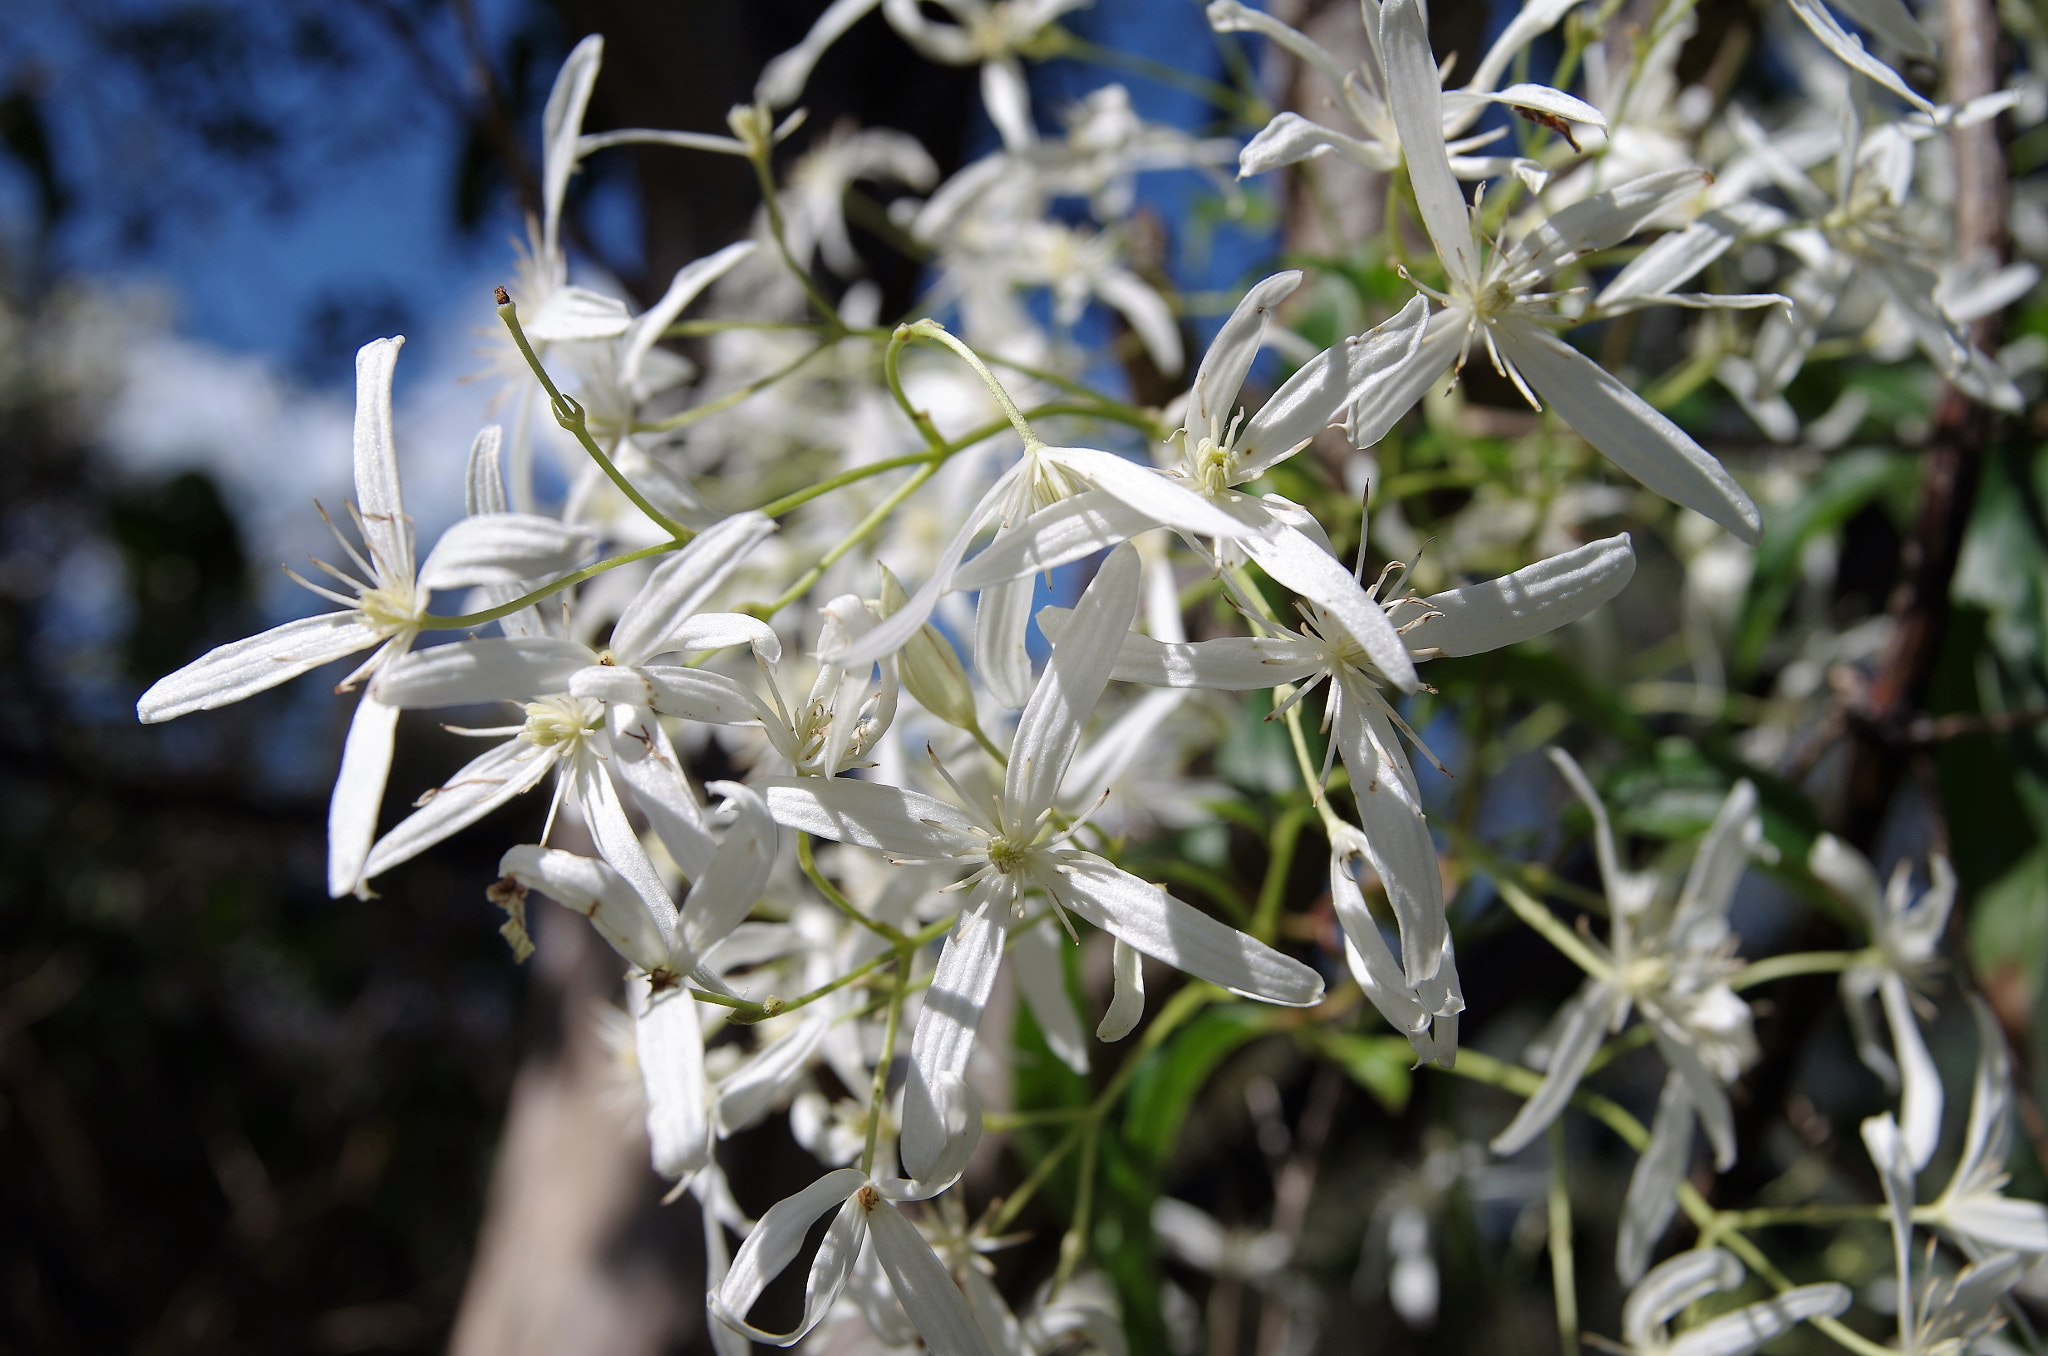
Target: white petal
1290,139
1370,962
484,482
1156,923
1002,659
944,1040
1751,1326
1007,100
358,792
604,814
642,757
1397,840
1920,1093
928,1295
890,635
1214,393
1596,222
504,548
1229,16
1671,1286
1848,873
1113,753
561,123
577,315
489,780
680,586
1382,401
1532,601
1342,376
737,875
587,886
1073,529
773,1245
1148,314
1050,728
243,668
1041,975
1535,18
745,1096
782,79
1850,49
1999,1222
473,672
725,630
1583,1026
1300,564
1415,97
1127,993
1709,1099
1541,98
385,527
690,280
1170,503
670,1050
1673,259
868,814
1625,427
1699,920
693,694
1988,1140
1653,1186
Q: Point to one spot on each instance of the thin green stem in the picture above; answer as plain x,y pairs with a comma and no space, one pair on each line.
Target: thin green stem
1531,911
525,600
1279,862
1074,1245
764,175
878,1094
1564,1286
798,498
569,414
685,418
937,333
892,372
852,539
1794,963
809,862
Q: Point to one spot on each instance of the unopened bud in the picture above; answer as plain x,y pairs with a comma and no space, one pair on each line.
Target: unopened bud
930,667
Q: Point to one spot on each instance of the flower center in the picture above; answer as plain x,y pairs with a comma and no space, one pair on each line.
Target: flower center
1007,854
1495,299
1644,974
554,721
390,610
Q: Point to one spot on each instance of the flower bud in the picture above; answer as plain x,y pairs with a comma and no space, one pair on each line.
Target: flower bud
930,667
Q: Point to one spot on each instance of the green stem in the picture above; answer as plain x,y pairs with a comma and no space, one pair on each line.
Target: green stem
1530,911
525,600
878,1094
798,498
1794,963
1564,1286
764,175
1279,862
809,862
570,416
848,542
937,333
733,397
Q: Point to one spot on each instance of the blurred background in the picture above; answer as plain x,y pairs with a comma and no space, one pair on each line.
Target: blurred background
238,1116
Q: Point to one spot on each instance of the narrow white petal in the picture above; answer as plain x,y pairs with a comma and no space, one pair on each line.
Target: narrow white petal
1850,49
642,757
1671,1286
243,668
1848,873
1224,367
1672,260
1050,728
484,481
1751,1326
1370,961
1920,1093
1148,314
1382,401
725,630
1127,993
1699,920
670,1050
1007,100
1397,840
1415,97
1535,18
693,694
1041,974
868,814
1999,1222
1072,529
1335,380
1532,601
572,315
358,792
1156,923
1584,1024
504,548
1290,139
385,526
604,814
561,123
1625,427
773,1245
746,1095
473,672
782,79
935,1305
489,780
1002,618
690,281
679,587
737,875
944,1040
1653,1186
1541,98
1709,1099
587,886
1596,222
1300,564
1169,502
1114,752
893,632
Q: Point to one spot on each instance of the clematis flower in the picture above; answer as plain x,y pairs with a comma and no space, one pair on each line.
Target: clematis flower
383,608
1674,971
587,713
1367,729
1940,1315
1973,1207
1496,301
1905,936
664,944
1691,1276
1005,844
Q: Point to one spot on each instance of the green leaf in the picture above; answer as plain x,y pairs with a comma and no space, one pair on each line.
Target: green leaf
1166,1085
1382,1065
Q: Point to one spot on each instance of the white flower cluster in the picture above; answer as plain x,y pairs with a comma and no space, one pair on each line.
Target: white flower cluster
718,556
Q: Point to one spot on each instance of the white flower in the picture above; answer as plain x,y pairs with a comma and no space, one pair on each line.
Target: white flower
1005,844
1905,936
1692,1276
1497,301
1974,1207
1675,973
384,607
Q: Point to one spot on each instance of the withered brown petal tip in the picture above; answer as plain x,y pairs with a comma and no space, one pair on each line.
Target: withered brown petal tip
503,299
